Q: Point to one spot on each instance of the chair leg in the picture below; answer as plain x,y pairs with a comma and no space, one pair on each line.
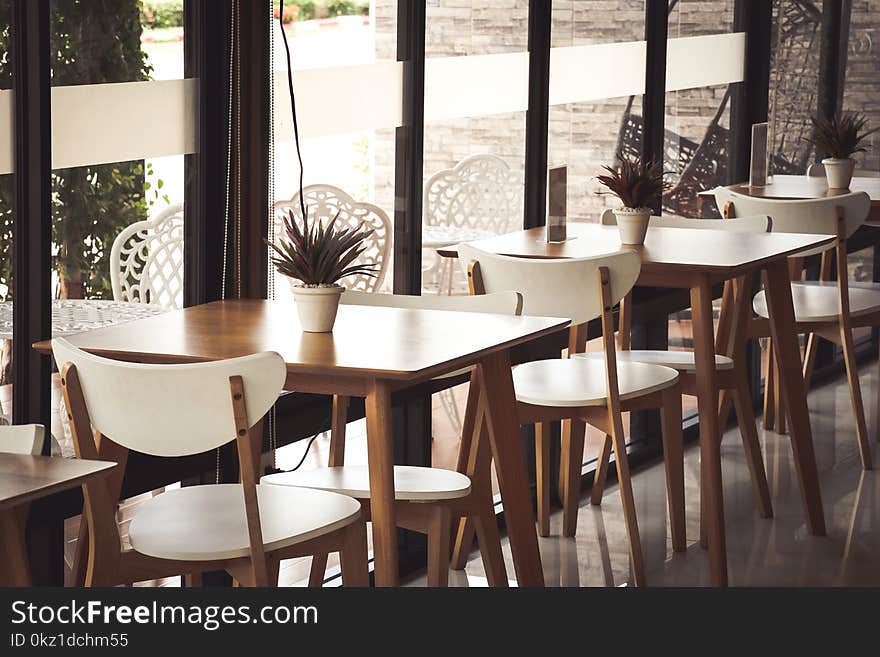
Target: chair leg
603,460
629,508
855,393
573,434
353,556
877,409
193,580
273,566
673,458
318,570
542,469
749,433
438,546
769,420
810,359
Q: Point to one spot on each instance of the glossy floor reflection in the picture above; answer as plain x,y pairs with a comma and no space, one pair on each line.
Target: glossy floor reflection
762,552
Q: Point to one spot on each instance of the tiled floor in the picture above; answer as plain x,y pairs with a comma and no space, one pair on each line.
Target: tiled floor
773,552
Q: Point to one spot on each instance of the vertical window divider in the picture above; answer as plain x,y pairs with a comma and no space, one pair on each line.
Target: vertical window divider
32,241
409,149
654,98
537,114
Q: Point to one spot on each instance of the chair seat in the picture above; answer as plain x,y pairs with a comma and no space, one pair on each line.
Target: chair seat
581,381
683,361
411,483
818,301
207,523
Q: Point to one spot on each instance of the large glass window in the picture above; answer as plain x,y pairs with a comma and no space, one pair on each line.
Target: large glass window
597,53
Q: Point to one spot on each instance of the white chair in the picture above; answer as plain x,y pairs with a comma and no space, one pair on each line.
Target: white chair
583,390
146,260
428,498
730,375
817,170
476,198
178,410
324,202
22,439
824,308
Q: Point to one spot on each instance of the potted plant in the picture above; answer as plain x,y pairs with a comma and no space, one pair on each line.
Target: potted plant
639,186
315,258
839,138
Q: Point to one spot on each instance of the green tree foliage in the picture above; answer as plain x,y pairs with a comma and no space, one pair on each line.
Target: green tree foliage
92,42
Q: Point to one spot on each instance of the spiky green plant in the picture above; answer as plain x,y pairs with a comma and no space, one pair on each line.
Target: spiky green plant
320,254
841,136
636,184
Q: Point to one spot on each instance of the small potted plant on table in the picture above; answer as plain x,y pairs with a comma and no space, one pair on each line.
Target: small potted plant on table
639,187
839,137
315,258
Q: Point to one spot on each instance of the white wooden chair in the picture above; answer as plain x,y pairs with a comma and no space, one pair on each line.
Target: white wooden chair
825,308
817,170
22,438
474,199
427,498
583,390
146,260
731,376
178,410
323,202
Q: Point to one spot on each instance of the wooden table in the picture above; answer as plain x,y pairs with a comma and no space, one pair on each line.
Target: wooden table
371,352
803,187
696,260
23,479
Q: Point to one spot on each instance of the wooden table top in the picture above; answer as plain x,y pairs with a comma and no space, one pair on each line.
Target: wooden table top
666,250
801,187
24,478
372,342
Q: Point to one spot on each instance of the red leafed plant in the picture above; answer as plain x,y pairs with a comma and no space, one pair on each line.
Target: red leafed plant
636,184
321,254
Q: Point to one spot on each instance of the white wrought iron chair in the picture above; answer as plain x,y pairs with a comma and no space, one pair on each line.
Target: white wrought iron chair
146,260
325,202
474,199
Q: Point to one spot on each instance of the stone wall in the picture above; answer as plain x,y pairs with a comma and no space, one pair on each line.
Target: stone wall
862,90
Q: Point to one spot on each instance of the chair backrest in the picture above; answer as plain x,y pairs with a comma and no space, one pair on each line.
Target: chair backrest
478,192
555,287
146,260
816,216
323,202
171,410
498,303
22,439
817,170
757,224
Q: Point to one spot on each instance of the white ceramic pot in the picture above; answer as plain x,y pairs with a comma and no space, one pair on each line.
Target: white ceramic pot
839,171
632,223
316,306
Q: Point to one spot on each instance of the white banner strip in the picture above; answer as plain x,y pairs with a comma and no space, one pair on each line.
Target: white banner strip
478,85
704,61
589,73
340,99
104,123
7,137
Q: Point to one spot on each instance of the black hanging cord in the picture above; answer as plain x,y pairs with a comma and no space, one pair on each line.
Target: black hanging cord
302,202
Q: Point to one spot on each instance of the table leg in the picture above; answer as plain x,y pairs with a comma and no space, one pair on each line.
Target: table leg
14,570
380,455
710,435
789,369
510,465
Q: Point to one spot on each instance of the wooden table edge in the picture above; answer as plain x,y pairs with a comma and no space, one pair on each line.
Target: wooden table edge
106,467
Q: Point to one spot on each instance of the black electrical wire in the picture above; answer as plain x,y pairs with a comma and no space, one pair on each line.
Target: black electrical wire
302,203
